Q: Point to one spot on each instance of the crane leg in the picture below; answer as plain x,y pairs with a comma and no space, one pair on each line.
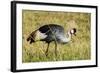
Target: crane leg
46,53
55,48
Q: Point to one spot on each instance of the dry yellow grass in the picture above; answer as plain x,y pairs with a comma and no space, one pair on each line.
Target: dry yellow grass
78,48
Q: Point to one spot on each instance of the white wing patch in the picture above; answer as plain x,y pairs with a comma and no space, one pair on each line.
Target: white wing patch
40,36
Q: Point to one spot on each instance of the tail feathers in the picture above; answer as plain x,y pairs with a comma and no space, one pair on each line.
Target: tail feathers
31,37
36,36
30,40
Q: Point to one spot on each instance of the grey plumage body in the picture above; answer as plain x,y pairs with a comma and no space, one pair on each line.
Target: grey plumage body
54,33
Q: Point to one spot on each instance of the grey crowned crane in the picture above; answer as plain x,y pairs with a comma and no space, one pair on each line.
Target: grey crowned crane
49,33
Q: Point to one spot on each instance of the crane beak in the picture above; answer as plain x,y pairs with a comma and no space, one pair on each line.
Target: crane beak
74,34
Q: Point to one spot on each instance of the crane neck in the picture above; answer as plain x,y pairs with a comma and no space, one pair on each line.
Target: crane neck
69,35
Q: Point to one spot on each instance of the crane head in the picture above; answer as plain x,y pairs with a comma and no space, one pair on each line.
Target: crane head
73,31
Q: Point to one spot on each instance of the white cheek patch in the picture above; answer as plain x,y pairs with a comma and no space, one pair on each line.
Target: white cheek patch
72,31
40,35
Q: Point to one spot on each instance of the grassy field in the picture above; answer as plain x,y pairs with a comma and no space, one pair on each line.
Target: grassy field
78,48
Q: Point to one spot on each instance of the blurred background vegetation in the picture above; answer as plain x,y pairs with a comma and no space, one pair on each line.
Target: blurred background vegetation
78,48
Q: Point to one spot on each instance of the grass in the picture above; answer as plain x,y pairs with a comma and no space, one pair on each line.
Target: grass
78,48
